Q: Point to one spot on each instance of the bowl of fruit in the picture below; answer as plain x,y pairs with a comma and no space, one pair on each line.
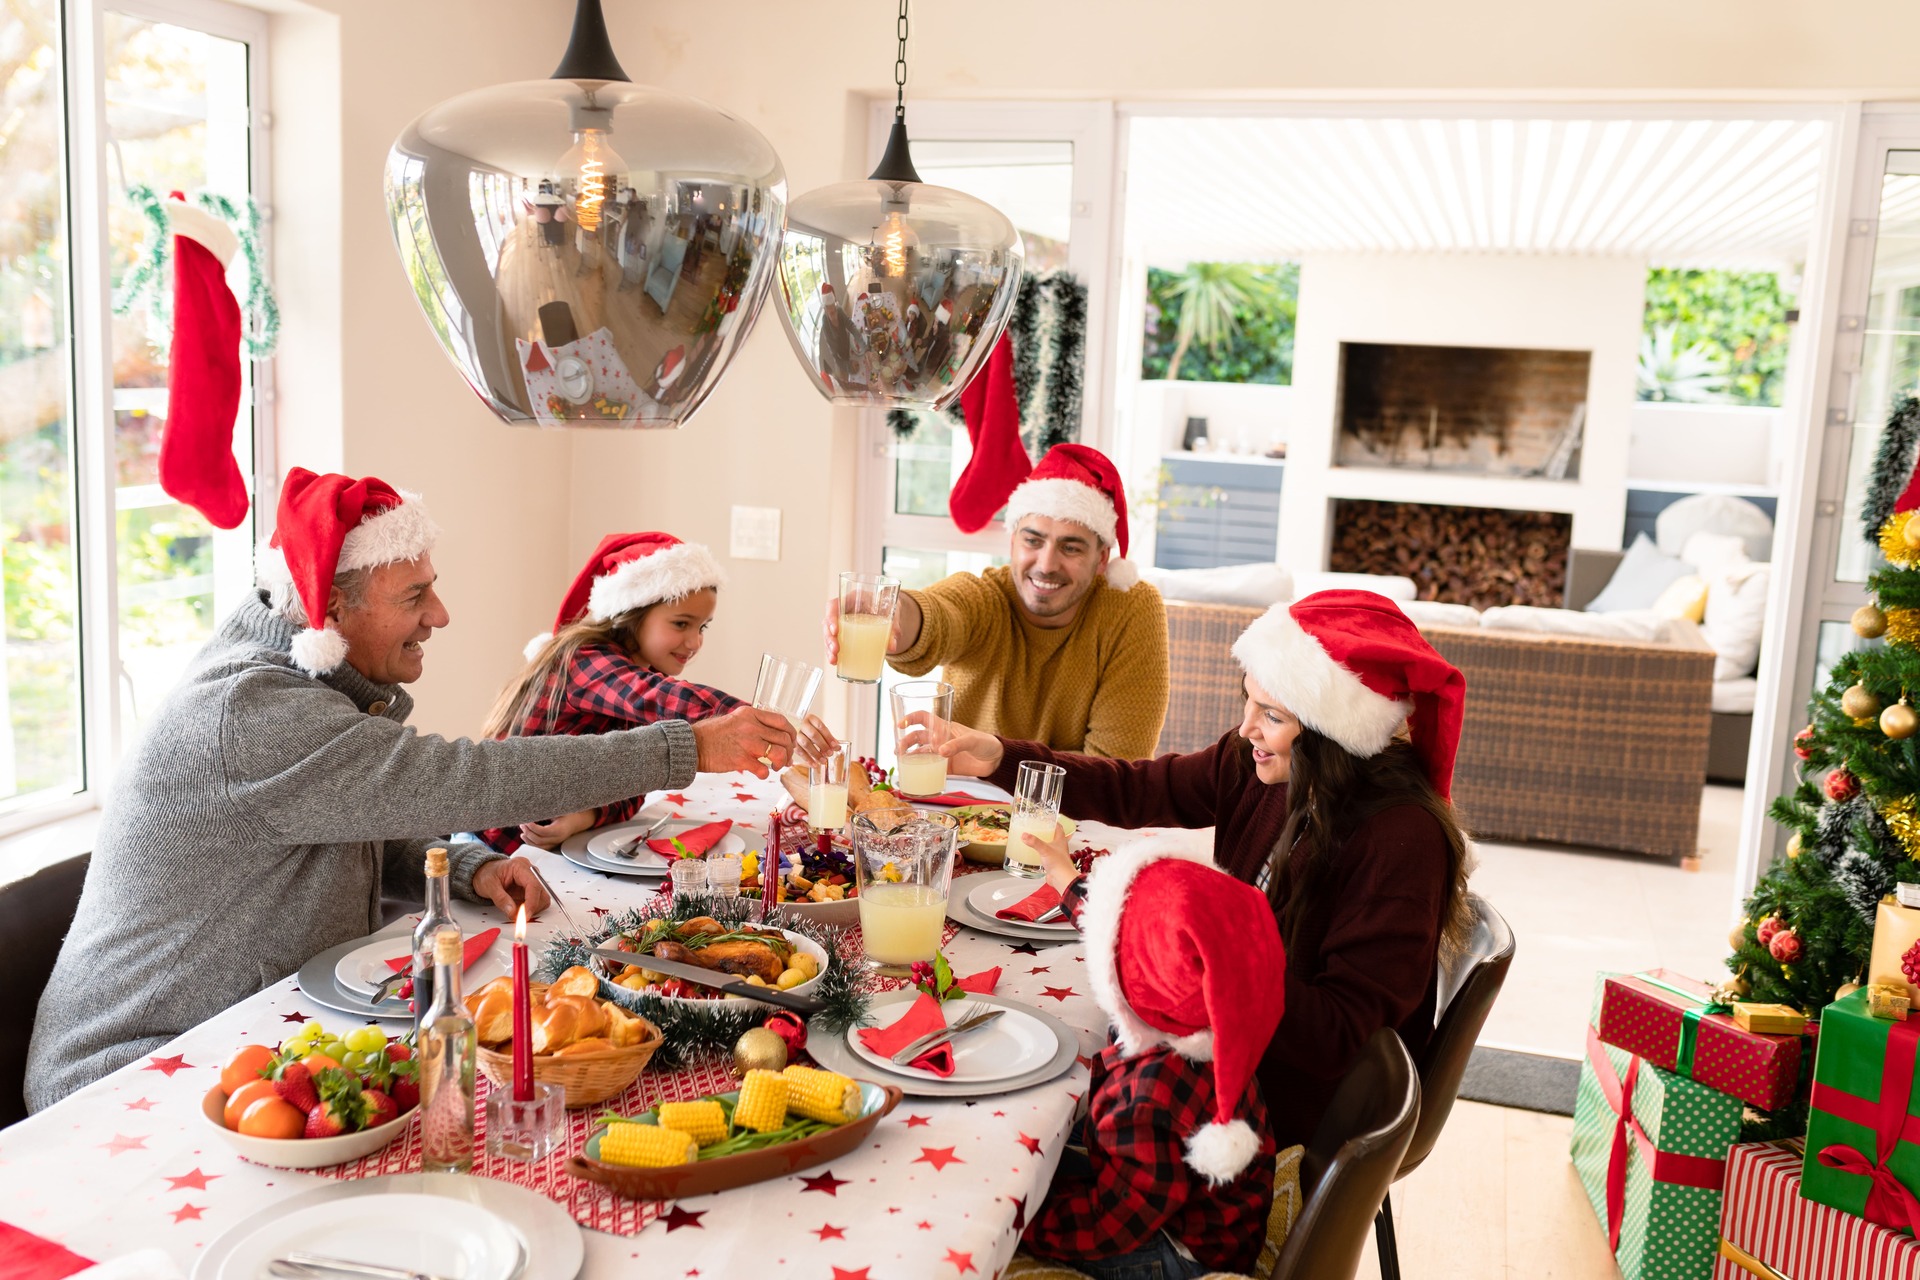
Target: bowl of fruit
317,1100
816,881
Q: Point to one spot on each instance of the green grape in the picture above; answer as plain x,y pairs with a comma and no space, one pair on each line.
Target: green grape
335,1049
311,1033
367,1039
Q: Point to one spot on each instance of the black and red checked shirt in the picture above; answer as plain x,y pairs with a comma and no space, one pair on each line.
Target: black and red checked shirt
605,690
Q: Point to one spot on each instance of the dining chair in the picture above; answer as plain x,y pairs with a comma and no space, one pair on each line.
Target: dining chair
35,914
1467,988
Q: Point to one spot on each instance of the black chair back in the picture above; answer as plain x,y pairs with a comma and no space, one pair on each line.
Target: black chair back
35,914
1468,987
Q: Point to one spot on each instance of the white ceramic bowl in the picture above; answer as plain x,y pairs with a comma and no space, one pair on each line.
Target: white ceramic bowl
604,969
301,1153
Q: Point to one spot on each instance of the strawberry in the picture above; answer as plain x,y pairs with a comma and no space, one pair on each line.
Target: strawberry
381,1108
406,1094
342,1107
295,1083
398,1051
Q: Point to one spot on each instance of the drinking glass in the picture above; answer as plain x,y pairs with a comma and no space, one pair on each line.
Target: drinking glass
902,868
867,602
827,789
1036,812
689,878
723,874
921,710
786,687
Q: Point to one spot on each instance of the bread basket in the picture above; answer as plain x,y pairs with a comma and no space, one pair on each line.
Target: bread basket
586,1078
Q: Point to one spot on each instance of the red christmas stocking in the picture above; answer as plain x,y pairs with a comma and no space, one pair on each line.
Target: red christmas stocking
999,460
203,384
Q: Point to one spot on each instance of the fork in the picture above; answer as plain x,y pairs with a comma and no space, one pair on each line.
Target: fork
932,1039
630,848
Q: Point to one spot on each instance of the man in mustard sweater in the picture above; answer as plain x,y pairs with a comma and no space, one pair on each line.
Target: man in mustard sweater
1062,645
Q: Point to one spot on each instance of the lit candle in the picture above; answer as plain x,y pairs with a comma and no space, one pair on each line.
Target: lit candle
522,1014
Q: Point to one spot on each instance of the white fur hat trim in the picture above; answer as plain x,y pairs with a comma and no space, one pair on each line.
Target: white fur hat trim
396,535
672,573
535,645
1221,1152
1287,662
1065,500
318,652
1107,889
1122,573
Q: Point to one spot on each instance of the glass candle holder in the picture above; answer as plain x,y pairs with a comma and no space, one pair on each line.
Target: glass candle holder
689,878
723,874
530,1130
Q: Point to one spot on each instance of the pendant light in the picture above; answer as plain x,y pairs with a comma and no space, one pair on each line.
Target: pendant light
894,291
588,251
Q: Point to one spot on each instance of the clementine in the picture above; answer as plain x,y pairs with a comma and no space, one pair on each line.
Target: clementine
245,1096
244,1067
272,1118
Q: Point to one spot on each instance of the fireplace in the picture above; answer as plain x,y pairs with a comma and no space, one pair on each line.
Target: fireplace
1481,556
1487,411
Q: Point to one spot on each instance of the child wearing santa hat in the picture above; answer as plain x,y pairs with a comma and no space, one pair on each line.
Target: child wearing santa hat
1186,963
633,619
1332,797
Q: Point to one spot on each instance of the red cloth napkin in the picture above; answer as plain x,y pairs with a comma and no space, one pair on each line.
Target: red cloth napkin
692,842
982,983
26,1256
1033,906
475,947
946,798
925,1017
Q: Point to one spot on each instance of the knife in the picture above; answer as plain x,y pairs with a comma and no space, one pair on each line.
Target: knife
933,1039
728,982
297,1263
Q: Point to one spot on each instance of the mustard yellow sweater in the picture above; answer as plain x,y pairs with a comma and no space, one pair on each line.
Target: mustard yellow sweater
1098,686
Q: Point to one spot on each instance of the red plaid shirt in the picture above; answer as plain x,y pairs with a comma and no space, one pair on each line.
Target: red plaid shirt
605,691
1140,1112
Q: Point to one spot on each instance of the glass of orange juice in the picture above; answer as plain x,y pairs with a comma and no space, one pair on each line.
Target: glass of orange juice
903,868
867,602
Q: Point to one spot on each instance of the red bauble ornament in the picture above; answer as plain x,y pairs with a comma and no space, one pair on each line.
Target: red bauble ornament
1800,740
1842,786
1785,946
1763,933
790,1028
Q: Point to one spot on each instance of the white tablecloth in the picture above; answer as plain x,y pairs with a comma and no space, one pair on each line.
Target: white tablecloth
128,1162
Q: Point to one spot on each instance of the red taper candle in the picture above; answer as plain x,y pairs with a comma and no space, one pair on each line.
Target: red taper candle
522,1014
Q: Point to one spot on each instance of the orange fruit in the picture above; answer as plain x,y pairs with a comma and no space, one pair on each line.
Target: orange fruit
244,1067
272,1118
318,1062
245,1096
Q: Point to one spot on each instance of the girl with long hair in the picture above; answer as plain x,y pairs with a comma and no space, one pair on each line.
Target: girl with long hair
1332,797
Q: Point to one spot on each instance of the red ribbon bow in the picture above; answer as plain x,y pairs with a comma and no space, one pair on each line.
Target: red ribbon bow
1665,1166
1889,1201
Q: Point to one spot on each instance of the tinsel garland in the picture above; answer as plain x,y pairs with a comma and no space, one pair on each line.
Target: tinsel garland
1892,466
1903,626
1902,817
1893,538
261,308
1864,879
152,267
149,275
691,1026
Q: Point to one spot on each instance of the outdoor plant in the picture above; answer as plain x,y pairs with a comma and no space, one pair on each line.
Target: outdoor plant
1695,375
1221,322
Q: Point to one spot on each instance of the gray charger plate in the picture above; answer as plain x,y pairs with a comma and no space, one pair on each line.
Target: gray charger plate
832,1052
317,983
960,911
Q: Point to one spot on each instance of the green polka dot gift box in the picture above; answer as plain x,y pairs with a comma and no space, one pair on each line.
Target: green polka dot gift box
1672,1021
1863,1133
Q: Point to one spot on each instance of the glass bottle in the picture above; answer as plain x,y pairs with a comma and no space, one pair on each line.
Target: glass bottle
447,1052
439,916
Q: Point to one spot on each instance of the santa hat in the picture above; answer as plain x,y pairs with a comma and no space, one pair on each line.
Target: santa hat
629,571
332,524
1078,483
1197,969
1350,666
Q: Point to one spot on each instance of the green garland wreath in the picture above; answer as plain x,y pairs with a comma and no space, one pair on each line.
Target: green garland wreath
694,1026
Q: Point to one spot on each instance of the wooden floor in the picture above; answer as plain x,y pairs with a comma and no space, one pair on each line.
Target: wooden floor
1497,1200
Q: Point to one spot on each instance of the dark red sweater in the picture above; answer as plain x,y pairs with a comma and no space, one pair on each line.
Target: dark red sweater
1365,956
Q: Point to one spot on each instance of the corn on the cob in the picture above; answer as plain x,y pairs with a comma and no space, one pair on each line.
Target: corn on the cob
646,1146
822,1095
763,1102
703,1121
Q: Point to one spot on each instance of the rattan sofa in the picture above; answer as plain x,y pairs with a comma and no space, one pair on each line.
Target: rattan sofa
1598,743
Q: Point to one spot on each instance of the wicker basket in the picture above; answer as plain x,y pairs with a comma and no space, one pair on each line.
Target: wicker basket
586,1078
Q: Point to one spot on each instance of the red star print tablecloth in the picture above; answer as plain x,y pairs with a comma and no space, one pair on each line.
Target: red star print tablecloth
941,1192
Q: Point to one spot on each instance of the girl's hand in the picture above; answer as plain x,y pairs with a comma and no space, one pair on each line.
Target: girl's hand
813,742
1054,858
971,753
548,835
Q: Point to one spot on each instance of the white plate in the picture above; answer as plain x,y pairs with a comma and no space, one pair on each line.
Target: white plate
318,983
361,970
1012,1045
427,1233
1001,892
550,1238
961,911
834,1053
601,843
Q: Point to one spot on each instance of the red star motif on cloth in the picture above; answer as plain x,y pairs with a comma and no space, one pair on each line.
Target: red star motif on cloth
841,1273
139,1104
743,797
963,1262
1059,993
121,1142
1041,968
678,1217
926,1226
1025,949
1019,1213
825,1182
914,1122
1030,1143
938,1157
195,1181
1082,1060
599,911
186,1211
295,1016
1001,1114
167,1066
827,1231
674,797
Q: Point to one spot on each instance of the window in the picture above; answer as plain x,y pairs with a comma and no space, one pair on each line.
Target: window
83,393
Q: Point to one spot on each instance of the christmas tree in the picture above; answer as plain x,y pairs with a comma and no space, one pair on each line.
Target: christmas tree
1855,816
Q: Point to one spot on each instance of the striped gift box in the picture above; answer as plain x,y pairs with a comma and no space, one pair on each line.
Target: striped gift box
1768,1230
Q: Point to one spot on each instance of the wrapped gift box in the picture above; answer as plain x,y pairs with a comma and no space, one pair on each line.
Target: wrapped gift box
1863,1139
1896,929
1657,1189
1672,1022
1767,1229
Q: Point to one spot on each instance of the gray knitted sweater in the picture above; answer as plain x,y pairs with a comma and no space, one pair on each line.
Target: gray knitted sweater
257,822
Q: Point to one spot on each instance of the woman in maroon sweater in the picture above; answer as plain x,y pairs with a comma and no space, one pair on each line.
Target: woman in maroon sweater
1332,796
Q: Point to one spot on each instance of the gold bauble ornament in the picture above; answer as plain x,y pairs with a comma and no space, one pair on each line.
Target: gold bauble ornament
1899,720
1859,703
1896,538
759,1049
1740,987
1794,845
1868,622
1738,937
1846,989
1910,533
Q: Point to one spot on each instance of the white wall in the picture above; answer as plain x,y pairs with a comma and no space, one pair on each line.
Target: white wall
1473,300
1715,445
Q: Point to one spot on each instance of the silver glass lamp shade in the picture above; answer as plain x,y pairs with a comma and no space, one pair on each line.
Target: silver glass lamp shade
589,252
894,292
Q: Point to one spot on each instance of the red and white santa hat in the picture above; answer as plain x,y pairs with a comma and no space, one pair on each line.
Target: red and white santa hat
329,525
629,571
1079,483
1351,666
1196,967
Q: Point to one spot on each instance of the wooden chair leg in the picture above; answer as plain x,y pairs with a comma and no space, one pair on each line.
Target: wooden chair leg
1384,1243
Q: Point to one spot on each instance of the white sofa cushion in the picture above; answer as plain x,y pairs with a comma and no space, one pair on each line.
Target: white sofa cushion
1711,553
1643,625
1388,585
1715,513
1249,584
1736,612
1642,574
1735,697
1438,613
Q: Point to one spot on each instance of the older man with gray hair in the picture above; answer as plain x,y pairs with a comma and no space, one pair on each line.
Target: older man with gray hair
278,794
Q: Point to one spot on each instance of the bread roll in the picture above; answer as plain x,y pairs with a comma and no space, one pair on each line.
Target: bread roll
491,1008
565,1019
622,1027
577,981
593,1044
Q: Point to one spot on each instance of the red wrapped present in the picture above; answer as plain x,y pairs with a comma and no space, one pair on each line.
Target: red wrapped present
1768,1229
1672,1022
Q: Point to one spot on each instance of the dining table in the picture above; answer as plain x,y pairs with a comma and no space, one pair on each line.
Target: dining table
942,1189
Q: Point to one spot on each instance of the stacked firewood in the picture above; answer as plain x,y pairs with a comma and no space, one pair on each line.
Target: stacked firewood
1478,556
